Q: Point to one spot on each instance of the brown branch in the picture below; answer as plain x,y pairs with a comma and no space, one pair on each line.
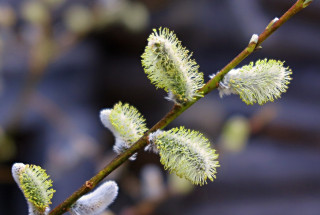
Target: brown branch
178,109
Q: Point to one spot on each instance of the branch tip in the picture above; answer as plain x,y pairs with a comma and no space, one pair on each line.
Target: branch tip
306,3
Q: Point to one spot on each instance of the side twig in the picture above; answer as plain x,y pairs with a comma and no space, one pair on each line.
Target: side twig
178,109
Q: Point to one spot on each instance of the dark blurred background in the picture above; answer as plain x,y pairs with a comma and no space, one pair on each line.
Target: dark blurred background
61,62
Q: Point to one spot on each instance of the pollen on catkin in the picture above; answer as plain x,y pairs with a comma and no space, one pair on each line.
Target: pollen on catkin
126,123
97,201
35,185
258,82
169,66
187,153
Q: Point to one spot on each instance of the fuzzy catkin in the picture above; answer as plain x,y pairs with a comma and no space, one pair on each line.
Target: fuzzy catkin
126,123
97,201
187,153
36,187
169,66
257,82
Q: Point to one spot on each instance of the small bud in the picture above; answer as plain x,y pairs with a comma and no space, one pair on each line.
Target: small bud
97,201
169,66
126,124
306,3
260,82
186,153
34,183
254,38
275,20
272,22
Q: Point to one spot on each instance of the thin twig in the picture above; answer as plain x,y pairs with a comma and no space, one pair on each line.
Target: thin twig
177,110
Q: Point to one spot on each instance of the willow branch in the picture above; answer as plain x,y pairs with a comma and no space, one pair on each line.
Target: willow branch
178,109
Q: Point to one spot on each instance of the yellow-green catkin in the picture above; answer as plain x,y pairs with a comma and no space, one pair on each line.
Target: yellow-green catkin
35,185
126,123
169,66
187,153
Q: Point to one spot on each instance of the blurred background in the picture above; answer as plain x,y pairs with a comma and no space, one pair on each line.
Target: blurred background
61,62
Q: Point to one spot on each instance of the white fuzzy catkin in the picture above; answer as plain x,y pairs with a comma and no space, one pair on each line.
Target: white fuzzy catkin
254,38
17,170
126,124
97,201
257,83
120,145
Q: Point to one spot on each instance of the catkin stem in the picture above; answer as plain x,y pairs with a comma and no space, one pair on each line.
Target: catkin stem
176,111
